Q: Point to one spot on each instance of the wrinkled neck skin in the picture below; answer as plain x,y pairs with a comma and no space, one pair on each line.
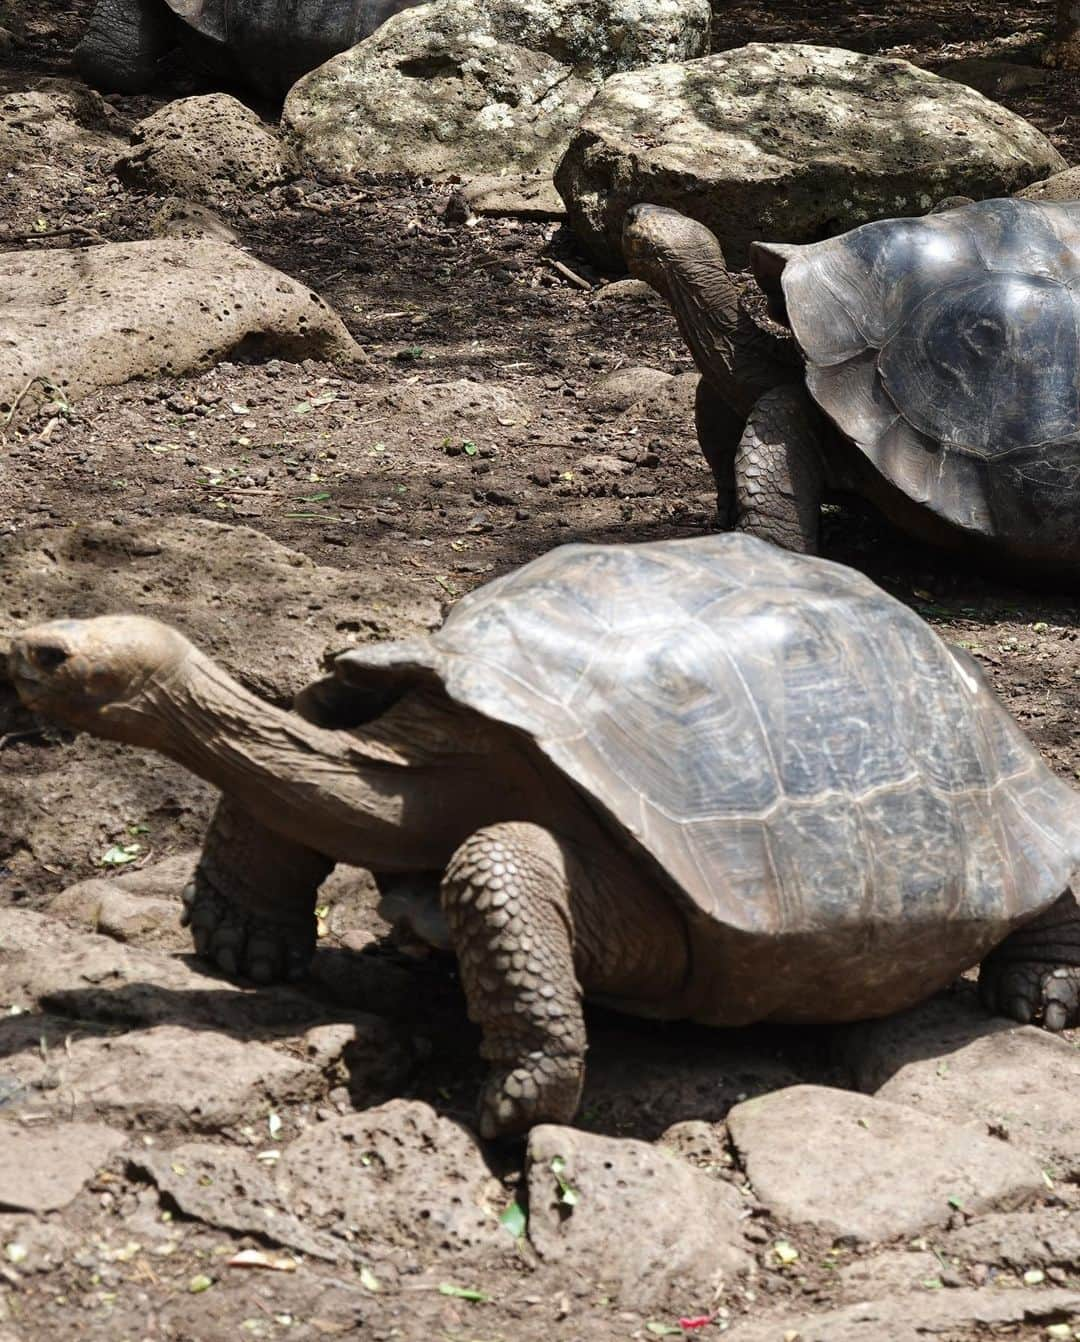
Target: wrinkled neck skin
350,795
733,353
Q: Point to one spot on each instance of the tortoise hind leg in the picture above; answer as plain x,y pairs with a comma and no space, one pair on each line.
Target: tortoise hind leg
251,904
779,471
1035,973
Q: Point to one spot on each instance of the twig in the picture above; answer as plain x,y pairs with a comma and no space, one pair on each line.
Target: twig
569,274
19,399
72,230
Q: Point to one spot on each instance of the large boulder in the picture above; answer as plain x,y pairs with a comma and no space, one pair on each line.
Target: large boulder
788,142
76,320
204,148
478,86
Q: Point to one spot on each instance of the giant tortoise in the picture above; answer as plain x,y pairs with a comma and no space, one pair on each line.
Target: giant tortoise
266,44
943,350
701,779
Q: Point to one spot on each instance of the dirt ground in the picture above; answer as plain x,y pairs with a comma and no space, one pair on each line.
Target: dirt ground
470,442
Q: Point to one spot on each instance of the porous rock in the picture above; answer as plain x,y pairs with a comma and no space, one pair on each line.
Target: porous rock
620,389
516,196
915,1316
648,1226
478,86
75,320
788,142
205,148
41,1171
1019,1241
180,218
168,1077
869,1170
947,1058
1060,186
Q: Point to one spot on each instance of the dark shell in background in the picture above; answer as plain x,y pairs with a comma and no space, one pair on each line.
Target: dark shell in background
948,349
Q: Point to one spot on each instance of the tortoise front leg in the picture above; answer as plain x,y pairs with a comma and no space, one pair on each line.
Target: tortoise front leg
1034,975
251,904
779,471
535,924
718,430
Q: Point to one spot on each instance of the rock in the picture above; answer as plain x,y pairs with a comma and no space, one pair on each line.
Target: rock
787,142
641,1222
41,1171
52,131
674,400
166,305
142,907
205,148
399,1174
454,406
46,1244
703,1145
870,1170
889,1273
168,1077
1061,186
179,218
518,196
397,1177
478,86
949,1059
1048,1237
626,291
995,79
915,1316
619,390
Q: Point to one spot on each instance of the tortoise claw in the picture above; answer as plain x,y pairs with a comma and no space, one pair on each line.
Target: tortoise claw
243,943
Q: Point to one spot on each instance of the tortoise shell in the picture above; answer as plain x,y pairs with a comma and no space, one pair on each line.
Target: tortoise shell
947,349
794,749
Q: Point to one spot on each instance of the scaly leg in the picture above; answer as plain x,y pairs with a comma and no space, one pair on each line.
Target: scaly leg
533,929
1034,975
779,473
718,430
251,905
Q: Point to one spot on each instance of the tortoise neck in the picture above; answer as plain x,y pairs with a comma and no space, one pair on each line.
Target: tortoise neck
733,352
349,794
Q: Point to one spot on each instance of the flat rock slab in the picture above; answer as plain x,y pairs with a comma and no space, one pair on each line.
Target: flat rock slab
645,1224
517,196
870,1170
916,1316
949,1059
167,1077
205,148
41,1171
1046,1237
789,143
141,907
478,86
396,1177
75,320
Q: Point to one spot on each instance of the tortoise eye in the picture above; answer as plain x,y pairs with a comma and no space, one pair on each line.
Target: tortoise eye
48,657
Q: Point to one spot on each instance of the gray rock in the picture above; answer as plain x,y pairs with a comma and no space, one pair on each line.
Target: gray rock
621,389
352,1188
1047,1237
43,1170
993,78
205,148
915,1316
517,196
643,1223
167,1077
1061,186
179,218
869,1170
949,1059
478,86
399,1174
166,305
789,143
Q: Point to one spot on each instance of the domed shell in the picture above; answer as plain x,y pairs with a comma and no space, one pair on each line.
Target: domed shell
793,747
947,348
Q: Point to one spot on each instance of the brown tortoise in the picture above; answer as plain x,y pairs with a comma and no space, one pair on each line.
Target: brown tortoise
933,370
705,779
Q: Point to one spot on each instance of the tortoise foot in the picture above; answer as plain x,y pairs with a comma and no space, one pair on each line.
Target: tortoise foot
241,942
541,1089
1034,975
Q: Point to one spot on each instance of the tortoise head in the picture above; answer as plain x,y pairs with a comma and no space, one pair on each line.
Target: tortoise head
96,675
659,243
